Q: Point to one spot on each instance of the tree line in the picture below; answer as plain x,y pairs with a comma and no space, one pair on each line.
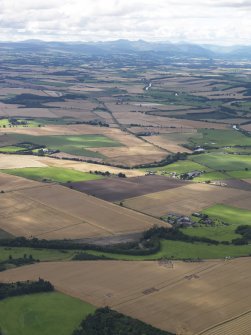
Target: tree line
27,287
108,322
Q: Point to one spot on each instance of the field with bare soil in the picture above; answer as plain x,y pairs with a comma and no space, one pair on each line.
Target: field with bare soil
117,189
188,199
184,298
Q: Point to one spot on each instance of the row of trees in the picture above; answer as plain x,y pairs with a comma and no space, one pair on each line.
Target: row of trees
108,322
27,287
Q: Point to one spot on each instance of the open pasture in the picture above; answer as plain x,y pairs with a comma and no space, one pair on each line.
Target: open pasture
220,138
52,174
182,166
87,167
197,290
228,162
117,189
65,213
42,314
75,145
188,199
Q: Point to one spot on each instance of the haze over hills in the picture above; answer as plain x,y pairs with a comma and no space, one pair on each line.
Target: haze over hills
141,47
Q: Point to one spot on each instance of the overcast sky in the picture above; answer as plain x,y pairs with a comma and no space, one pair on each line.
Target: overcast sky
225,22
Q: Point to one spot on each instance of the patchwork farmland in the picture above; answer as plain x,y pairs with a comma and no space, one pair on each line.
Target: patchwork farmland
126,182
65,213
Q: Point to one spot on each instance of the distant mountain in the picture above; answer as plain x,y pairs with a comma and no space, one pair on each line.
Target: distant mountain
123,46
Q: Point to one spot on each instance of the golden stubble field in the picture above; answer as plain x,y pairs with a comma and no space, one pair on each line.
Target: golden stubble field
188,199
187,298
56,212
23,161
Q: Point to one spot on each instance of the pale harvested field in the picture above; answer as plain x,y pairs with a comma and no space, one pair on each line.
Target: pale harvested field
132,155
186,299
247,127
165,143
22,161
87,167
19,161
56,212
188,199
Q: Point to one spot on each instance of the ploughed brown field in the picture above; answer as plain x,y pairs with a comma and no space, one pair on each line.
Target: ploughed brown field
188,199
184,298
12,183
117,189
56,212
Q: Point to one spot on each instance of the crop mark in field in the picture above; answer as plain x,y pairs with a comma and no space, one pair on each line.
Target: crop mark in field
61,228
193,276
163,285
150,290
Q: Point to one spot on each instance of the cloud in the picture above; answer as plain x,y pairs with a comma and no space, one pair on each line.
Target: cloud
199,21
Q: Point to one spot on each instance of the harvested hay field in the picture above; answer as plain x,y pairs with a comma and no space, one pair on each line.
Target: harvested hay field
19,161
56,212
188,199
117,189
164,142
181,297
87,167
23,161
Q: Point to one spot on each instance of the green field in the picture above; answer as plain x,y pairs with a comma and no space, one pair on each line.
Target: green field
237,150
53,174
240,174
10,149
180,167
220,138
231,215
184,250
75,145
5,123
42,314
228,162
41,254
211,176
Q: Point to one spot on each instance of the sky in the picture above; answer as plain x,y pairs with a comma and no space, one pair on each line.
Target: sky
222,22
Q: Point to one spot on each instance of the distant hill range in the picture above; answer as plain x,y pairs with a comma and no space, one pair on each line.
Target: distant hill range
122,46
